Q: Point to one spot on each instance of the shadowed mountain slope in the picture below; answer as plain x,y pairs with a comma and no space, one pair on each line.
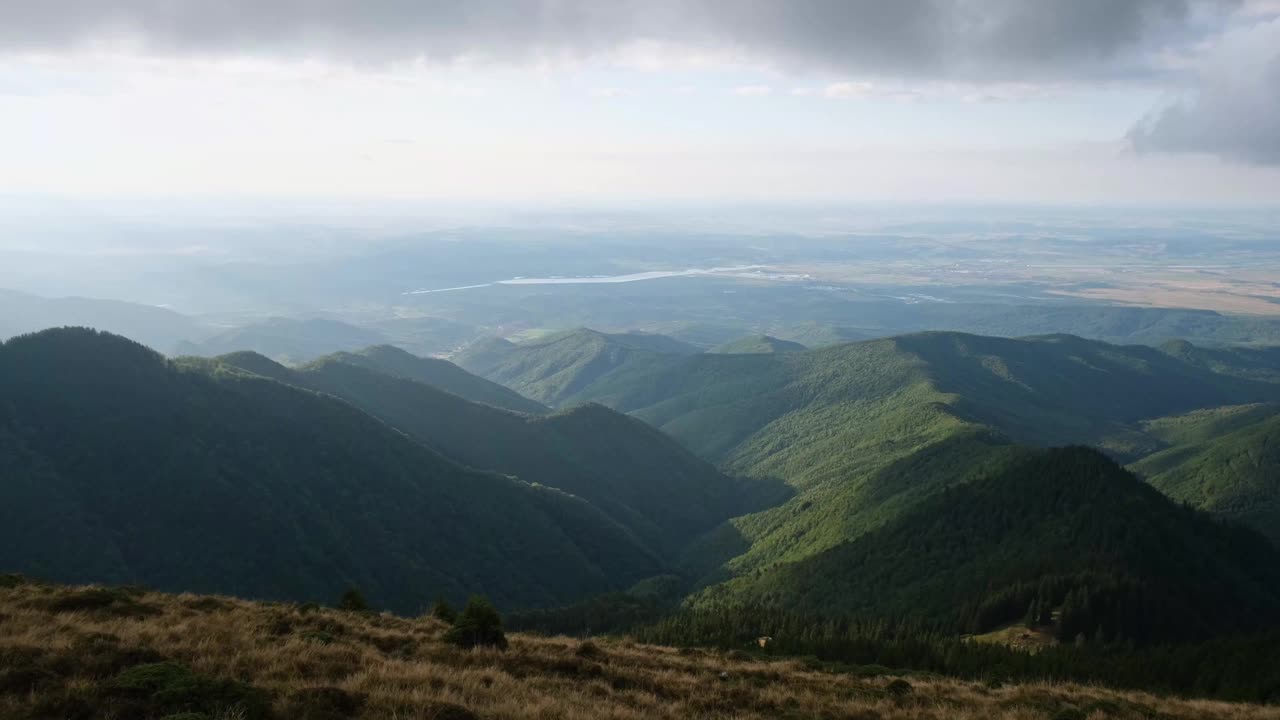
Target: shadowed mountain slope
121,466
638,476
441,374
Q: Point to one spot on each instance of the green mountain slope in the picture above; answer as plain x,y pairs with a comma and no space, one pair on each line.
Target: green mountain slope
557,368
833,423
814,335
1067,527
1225,461
642,479
1058,389
120,466
287,339
864,430
443,375
758,344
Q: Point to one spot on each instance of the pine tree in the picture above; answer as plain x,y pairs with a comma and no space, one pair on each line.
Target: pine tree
478,625
443,611
353,600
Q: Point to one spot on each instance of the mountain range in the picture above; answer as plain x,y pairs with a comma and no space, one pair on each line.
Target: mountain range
865,432
911,477
122,466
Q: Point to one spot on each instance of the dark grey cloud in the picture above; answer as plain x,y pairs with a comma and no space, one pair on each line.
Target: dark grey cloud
948,39
1234,112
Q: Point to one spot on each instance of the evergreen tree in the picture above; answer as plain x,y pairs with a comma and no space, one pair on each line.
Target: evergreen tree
443,611
479,625
353,600
1045,616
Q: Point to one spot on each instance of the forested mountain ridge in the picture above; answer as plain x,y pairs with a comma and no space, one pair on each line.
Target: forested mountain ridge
441,374
157,327
866,429
889,478
556,368
1057,389
121,466
1062,528
758,344
645,481
1225,460
287,339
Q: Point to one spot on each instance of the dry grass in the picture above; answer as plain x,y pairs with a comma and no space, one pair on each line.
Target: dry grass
317,664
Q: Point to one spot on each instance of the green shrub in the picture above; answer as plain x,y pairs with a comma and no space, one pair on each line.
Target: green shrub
159,689
898,687
588,649
102,655
116,602
479,625
319,637
352,600
10,580
443,611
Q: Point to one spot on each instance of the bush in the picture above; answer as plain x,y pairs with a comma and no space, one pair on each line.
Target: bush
588,649
898,687
479,625
444,612
160,689
319,637
115,602
11,580
353,601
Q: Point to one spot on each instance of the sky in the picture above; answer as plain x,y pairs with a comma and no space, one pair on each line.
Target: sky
1153,102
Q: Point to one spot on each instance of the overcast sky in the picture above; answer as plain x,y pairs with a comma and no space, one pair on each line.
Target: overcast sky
1094,101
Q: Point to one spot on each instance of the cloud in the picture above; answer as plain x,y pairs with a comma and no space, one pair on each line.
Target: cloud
1234,112
950,39
753,90
842,90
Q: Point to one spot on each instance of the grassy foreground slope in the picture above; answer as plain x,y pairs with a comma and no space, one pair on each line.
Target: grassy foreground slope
121,466
645,481
94,653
